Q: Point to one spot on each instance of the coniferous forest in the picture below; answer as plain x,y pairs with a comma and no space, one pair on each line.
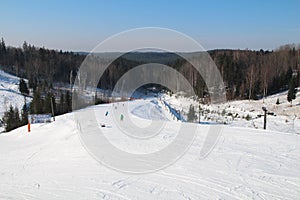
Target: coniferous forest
247,74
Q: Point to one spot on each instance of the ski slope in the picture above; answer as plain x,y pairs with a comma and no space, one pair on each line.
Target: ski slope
50,162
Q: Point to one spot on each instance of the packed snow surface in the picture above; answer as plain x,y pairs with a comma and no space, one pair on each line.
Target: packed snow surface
50,162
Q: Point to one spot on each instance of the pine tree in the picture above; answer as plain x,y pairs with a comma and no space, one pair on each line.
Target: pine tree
32,83
68,101
62,103
47,103
23,87
36,105
2,46
24,115
16,118
11,119
8,119
292,91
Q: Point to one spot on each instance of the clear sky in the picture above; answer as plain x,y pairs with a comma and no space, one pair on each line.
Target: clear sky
81,25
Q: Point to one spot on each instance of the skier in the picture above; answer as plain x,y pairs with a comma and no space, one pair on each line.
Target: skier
102,125
122,117
106,113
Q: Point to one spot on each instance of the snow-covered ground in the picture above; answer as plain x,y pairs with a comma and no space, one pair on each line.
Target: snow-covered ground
50,162
9,93
244,113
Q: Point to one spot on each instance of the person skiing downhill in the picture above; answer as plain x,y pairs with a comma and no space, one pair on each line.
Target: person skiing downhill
121,117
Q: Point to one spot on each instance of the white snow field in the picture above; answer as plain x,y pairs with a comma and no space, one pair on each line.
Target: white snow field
50,162
283,117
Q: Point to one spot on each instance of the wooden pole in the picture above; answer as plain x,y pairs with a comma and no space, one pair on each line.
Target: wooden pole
265,117
52,109
265,120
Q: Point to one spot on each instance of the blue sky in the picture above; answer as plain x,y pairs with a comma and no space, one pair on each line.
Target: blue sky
81,25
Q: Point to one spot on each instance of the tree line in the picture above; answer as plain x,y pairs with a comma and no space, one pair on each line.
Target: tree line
247,74
254,74
12,118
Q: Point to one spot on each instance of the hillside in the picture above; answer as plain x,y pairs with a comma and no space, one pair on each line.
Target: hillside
9,93
282,117
50,162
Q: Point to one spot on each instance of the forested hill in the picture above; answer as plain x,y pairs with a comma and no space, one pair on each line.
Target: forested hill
246,73
262,72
